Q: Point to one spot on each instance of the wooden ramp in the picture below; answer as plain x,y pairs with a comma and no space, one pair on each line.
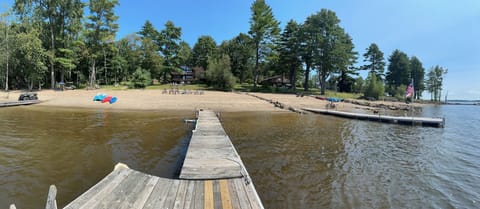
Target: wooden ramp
18,103
212,177
433,122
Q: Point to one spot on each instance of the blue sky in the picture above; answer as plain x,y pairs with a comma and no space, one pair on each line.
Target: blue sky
438,32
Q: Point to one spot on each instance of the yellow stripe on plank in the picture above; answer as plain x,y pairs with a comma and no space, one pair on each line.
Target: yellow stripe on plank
208,204
225,194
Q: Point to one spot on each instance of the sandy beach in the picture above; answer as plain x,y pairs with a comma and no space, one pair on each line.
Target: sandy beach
155,100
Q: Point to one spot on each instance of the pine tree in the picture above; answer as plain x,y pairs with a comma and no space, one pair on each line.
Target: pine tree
264,30
376,61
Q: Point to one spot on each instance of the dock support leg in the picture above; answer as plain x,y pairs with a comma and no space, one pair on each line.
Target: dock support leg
51,199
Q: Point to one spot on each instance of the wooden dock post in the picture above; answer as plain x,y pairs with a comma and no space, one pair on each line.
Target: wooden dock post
51,198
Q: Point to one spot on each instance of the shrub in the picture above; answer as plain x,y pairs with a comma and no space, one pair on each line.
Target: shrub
374,87
219,74
140,79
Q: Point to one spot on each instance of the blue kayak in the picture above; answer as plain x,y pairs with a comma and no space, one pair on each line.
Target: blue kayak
113,100
99,97
332,99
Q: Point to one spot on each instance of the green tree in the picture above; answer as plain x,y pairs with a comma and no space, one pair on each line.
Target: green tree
359,85
6,35
169,43
330,50
308,49
62,20
434,82
31,56
218,73
151,61
185,54
240,51
149,31
348,57
374,87
375,60
290,51
203,50
398,71
418,76
130,50
141,78
101,28
264,30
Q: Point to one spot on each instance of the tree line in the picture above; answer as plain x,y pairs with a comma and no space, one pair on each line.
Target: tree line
45,42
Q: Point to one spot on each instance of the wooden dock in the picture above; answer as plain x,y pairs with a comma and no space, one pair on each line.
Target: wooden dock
18,103
212,177
421,121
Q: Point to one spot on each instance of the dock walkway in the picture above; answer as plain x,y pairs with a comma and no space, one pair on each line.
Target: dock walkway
212,176
18,103
422,121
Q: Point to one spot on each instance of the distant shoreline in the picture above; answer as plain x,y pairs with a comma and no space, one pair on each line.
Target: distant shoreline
156,100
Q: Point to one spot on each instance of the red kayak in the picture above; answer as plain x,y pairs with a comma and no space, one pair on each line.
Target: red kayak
106,99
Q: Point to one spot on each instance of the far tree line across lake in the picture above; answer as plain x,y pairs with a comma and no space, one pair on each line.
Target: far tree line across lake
47,42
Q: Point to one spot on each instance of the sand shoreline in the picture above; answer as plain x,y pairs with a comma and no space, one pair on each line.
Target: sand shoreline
156,100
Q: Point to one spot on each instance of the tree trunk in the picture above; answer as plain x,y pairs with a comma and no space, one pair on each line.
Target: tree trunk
293,77
6,76
255,73
52,60
30,85
92,78
307,76
323,77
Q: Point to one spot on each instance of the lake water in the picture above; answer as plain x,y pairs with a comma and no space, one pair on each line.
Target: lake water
296,161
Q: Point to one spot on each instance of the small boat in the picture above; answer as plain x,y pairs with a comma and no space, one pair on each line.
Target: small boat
113,100
107,99
99,97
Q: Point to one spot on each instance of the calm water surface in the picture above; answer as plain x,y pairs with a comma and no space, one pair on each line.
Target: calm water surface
296,161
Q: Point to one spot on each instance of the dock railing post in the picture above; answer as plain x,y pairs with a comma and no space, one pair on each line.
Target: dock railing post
51,199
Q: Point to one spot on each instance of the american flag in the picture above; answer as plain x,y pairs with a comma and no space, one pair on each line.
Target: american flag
409,92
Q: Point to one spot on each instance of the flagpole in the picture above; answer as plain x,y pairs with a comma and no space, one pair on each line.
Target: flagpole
413,97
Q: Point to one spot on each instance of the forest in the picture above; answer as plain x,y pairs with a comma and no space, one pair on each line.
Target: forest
44,43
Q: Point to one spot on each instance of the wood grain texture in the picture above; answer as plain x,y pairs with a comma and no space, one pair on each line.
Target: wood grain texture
208,194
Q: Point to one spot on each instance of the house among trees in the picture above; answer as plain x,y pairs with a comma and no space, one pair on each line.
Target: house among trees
276,81
187,75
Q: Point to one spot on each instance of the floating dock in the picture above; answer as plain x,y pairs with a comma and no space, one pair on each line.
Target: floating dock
212,177
18,103
421,121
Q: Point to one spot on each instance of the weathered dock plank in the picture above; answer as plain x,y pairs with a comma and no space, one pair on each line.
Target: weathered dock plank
101,189
208,194
422,121
159,193
225,194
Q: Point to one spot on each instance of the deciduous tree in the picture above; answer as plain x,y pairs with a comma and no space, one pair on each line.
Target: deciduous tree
204,49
